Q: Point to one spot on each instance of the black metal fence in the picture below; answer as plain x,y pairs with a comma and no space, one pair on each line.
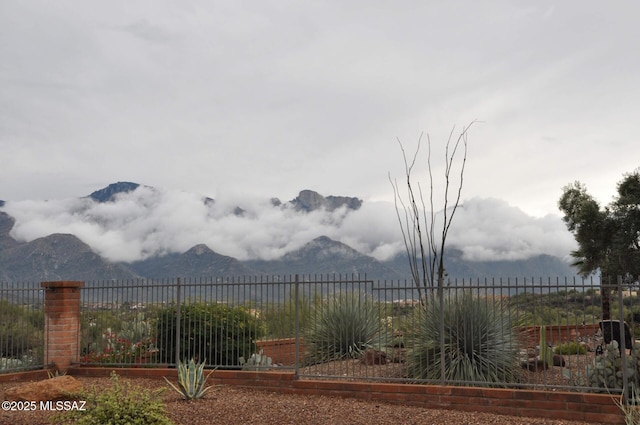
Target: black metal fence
540,333
21,326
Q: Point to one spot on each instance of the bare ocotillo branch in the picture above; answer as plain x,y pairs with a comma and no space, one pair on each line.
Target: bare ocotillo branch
417,224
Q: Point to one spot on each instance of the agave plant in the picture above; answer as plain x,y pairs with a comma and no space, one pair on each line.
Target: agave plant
55,374
344,325
479,343
191,380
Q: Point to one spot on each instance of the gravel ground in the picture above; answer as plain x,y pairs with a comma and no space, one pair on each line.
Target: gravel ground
232,405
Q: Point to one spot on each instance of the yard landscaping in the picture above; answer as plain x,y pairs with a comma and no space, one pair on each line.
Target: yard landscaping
233,405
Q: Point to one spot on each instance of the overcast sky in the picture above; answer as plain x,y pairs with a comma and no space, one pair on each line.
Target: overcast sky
265,98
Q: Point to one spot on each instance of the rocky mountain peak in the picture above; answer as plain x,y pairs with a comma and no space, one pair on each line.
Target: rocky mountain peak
309,200
324,247
108,193
6,223
200,249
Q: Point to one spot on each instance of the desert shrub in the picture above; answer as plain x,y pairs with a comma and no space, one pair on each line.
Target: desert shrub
570,348
216,333
631,407
479,342
21,332
280,318
121,404
344,325
95,327
118,337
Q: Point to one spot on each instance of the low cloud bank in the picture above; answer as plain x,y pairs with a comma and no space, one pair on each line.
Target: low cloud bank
149,222
491,229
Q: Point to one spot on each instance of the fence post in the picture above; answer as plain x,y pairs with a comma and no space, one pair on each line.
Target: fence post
178,314
623,337
61,322
297,326
442,340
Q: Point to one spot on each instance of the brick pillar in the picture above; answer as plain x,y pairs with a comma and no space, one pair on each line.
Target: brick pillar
61,323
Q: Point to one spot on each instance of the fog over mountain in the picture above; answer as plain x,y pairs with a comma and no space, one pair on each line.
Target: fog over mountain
144,222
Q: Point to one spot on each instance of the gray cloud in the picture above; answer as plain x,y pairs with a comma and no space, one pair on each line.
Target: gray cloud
491,229
148,222
260,97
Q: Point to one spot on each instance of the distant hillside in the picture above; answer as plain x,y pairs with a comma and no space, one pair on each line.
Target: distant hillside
6,224
199,261
540,266
325,256
58,257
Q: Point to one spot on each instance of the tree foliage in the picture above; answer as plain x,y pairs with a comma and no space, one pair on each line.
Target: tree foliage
608,238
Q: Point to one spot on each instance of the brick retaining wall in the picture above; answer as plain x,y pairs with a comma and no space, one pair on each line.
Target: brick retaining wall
596,408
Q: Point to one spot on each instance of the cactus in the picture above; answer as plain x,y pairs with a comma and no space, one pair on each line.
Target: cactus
546,354
256,361
191,380
137,329
606,371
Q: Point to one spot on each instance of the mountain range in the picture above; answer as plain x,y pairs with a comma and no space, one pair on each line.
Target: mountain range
65,257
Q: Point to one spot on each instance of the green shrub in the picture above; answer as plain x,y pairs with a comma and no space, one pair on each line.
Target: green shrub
280,318
130,340
344,325
571,348
96,328
219,333
479,343
121,404
21,333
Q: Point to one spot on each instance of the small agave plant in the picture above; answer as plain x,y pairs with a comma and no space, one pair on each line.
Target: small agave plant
55,374
191,380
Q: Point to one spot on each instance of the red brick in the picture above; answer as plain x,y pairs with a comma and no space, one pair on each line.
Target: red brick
497,393
62,317
550,414
599,398
459,398
470,401
603,418
594,408
434,389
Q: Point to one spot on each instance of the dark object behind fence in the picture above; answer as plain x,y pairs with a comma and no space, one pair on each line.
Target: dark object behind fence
611,332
